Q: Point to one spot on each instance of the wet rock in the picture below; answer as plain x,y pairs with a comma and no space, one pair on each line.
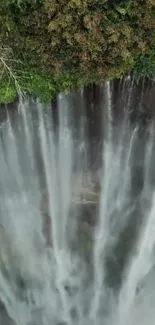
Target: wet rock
84,206
47,224
5,319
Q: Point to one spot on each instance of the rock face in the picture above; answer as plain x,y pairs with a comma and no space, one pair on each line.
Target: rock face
83,205
4,318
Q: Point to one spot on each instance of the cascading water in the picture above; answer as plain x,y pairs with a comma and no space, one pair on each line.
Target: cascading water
71,253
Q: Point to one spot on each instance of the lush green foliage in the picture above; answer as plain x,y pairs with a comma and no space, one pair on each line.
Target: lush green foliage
7,92
53,45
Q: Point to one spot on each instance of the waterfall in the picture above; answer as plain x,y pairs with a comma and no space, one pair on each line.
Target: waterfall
77,203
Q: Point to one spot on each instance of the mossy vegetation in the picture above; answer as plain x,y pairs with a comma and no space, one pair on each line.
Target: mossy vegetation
48,45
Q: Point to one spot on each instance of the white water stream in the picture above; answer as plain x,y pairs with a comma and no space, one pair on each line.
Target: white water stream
45,277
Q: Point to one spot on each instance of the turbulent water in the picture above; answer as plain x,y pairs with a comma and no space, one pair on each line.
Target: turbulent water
76,242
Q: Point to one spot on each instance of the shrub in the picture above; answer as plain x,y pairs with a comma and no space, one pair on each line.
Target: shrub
65,44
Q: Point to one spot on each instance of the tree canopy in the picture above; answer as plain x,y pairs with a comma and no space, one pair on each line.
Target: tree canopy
52,45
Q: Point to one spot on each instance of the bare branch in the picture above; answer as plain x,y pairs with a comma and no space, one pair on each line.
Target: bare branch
12,75
6,61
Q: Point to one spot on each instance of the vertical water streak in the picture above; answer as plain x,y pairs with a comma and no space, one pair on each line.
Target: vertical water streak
131,85
126,177
139,266
52,173
65,156
51,177
24,109
148,159
102,234
12,154
140,106
108,90
83,141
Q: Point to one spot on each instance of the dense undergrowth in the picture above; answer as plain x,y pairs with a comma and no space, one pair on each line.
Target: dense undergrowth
50,45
